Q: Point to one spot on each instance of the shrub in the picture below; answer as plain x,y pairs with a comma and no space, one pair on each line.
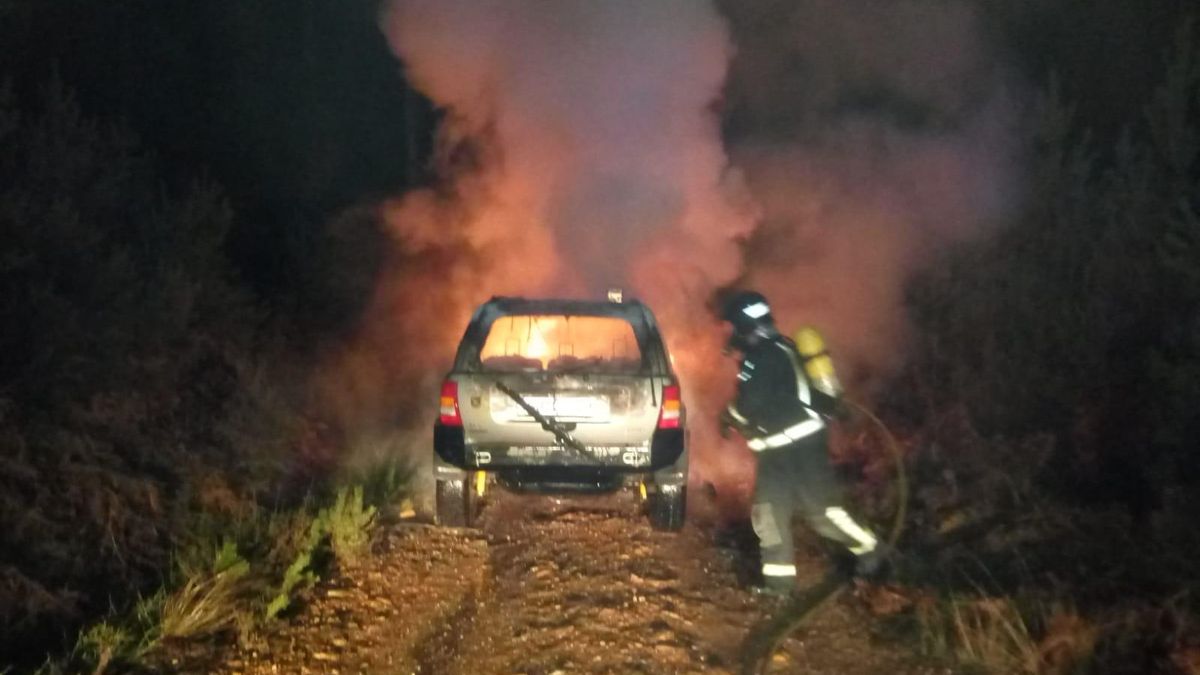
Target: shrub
122,324
348,523
1079,326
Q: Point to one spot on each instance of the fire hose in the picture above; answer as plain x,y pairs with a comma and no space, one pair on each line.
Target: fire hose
769,635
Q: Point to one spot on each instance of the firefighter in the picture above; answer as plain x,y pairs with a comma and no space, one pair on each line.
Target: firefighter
786,393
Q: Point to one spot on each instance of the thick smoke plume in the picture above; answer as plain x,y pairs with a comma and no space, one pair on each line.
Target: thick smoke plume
873,135
582,149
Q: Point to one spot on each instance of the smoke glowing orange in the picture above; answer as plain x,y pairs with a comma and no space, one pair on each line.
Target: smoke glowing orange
595,162
581,150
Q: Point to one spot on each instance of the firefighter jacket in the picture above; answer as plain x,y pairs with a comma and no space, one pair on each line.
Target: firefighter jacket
776,403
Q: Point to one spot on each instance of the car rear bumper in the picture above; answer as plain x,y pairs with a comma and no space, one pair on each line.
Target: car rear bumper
664,450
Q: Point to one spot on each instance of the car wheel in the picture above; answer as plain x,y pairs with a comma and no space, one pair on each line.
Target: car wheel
455,503
667,506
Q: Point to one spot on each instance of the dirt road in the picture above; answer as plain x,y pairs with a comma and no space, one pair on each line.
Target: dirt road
545,586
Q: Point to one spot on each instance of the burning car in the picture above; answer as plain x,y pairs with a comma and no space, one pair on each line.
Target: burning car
561,396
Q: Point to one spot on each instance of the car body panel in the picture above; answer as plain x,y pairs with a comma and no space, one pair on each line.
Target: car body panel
610,406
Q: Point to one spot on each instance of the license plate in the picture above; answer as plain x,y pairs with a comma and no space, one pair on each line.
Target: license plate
559,407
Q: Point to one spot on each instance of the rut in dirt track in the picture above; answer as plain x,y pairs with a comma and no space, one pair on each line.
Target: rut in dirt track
581,585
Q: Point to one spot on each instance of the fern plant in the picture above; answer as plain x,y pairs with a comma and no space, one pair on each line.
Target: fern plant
348,522
299,575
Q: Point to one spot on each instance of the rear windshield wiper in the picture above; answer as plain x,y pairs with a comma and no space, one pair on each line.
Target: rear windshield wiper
549,424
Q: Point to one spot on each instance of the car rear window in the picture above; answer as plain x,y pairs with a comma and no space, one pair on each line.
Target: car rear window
561,343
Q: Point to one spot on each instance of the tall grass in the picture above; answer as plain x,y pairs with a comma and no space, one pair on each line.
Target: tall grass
209,598
236,575
996,634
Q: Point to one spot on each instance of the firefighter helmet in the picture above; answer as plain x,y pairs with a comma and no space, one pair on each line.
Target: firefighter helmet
747,308
749,313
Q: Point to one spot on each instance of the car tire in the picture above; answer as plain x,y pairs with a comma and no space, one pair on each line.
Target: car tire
455,503
666,507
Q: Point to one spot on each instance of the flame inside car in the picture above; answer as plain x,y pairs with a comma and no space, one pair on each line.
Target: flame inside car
561,343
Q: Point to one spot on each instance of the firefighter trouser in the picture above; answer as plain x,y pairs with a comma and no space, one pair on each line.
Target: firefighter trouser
798,479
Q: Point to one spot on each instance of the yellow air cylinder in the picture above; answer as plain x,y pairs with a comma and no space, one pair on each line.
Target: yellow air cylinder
817,363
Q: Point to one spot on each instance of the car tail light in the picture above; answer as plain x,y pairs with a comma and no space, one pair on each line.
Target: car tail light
448,413
672,408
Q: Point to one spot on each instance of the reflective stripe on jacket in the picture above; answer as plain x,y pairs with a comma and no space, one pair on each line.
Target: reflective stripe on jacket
775,403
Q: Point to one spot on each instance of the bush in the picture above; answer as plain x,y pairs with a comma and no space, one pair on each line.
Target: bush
125,335
1053,381
1081,322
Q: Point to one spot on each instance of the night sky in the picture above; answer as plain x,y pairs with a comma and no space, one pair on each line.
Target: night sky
296,109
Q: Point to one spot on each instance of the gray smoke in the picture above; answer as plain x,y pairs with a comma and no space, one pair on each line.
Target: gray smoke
874,135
